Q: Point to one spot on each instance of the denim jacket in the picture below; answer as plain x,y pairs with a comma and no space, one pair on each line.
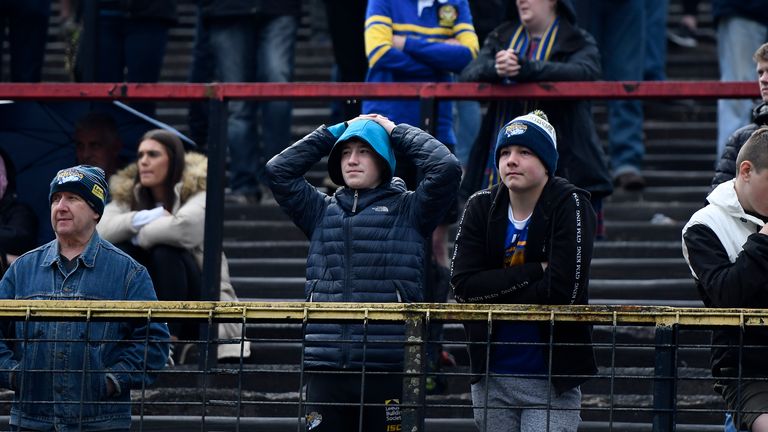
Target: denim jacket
59,370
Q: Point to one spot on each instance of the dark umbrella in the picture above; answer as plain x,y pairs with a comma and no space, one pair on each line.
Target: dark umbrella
38,136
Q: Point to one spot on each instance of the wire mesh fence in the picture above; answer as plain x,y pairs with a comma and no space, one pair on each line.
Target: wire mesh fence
652,365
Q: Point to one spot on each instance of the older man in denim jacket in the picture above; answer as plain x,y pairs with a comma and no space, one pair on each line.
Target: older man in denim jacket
78,375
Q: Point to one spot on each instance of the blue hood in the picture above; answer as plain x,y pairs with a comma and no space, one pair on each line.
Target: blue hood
371,133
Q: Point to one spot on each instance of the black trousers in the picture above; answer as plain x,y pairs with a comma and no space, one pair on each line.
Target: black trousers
335,400
175,275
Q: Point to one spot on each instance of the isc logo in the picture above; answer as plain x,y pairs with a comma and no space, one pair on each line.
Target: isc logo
394,428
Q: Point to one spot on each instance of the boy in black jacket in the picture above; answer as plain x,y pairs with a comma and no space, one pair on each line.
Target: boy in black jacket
527,240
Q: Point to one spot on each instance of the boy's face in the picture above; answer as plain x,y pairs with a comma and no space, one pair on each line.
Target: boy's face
762,78
520,169
753,194
360,165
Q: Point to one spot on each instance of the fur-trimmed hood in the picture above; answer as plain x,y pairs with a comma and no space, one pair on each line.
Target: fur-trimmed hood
123,186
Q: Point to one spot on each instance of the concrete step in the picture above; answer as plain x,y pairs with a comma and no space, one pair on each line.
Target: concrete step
678,178
666,194
642,231
269,289
259,230
266,249
681,145
669,162
640,291
638,268
268,267
636,249
618,210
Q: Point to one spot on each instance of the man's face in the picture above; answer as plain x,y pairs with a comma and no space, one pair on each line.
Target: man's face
97,147
520,169
359,165
753,193
762,78
534,12
72,217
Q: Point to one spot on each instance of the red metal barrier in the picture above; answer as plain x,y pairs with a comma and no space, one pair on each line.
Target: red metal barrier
479,91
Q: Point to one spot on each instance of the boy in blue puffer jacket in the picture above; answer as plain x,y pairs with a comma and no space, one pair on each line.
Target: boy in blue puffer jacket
367,244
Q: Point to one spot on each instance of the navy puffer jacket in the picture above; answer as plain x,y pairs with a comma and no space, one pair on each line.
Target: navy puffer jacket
365,245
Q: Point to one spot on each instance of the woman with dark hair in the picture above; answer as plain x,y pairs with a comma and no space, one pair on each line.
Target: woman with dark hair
18,223
156,215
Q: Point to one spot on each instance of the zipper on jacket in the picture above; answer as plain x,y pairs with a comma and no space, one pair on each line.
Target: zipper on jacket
345,334
354,204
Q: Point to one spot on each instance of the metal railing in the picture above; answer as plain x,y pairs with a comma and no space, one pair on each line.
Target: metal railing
653,361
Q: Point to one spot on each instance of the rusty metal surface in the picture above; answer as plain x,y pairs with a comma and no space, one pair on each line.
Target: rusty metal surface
306,91
296,311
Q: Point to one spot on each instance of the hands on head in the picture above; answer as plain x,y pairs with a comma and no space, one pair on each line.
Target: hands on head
386,123
507,63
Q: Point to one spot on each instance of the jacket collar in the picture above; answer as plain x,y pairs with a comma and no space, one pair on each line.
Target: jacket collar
345,196
760,114
724,196
88,257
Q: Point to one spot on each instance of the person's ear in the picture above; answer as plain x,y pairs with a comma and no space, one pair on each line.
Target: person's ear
744,170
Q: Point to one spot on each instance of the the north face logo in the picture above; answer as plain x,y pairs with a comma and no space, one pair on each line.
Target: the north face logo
382,209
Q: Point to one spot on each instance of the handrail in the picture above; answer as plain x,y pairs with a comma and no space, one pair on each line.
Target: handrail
324,90
297,311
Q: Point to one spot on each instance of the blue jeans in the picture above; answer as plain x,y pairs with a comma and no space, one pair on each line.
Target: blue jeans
251,49
136,46
737,40
130,50
655,40
466,123
618,27
27,23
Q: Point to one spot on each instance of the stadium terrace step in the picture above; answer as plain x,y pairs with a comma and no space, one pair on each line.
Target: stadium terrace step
681,146
261,230
628,210
677,177
642,290
266,249
636,249
268,267
664,194
621,268
269,289
642,230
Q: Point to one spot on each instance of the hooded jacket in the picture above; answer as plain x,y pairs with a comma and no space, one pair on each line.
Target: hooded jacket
574,57
365,245
726,166
560,233
182,229
729,260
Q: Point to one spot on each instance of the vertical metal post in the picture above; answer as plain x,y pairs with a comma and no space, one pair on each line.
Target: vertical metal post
214,212
665,379
414,379
214,200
